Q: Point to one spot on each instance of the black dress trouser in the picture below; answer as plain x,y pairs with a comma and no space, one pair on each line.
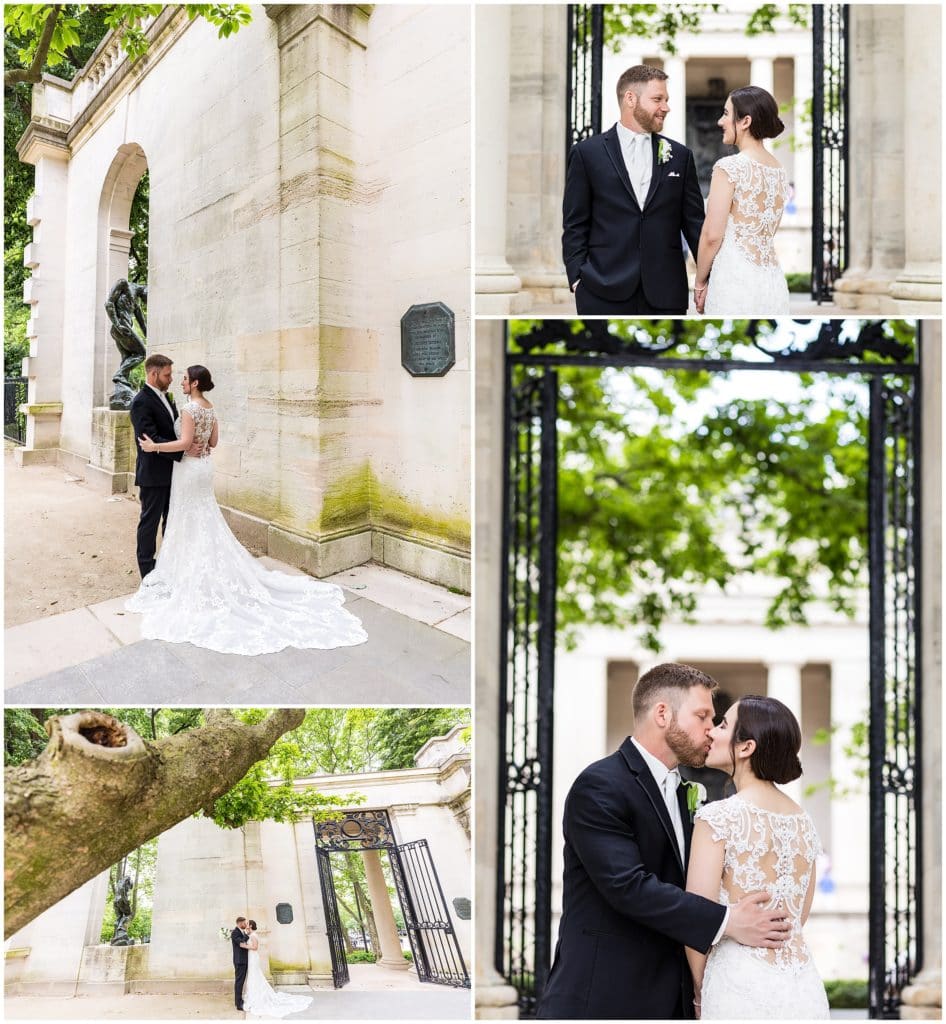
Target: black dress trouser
589,304
154,512
238,983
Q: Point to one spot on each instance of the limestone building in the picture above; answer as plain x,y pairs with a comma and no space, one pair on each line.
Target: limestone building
309,184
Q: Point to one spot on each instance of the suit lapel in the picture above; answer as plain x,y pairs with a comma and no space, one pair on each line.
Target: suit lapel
644,779
687,822
160,405
612,145
657,169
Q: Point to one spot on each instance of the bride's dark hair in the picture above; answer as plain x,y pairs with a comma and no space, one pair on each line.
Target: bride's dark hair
777,738
761,107
252,924
200,376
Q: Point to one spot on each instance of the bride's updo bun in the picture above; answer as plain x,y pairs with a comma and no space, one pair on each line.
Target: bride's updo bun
252,924
760,105
777,738
200,376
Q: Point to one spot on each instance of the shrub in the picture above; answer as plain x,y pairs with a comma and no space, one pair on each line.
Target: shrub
846,994
799,282
361,956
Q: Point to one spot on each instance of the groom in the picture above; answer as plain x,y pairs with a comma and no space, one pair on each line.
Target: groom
239,937
626,916
153,413
629,194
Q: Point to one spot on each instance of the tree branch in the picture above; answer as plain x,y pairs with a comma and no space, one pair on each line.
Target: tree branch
98,791
34,73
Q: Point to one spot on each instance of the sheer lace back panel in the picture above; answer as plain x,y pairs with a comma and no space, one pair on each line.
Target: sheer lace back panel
759,199
765,850
203,425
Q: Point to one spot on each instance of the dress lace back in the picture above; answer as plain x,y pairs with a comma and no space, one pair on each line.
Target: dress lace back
770,851
758,202
204,419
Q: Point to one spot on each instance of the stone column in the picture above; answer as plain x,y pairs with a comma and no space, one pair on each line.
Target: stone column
494,998
762,73
44,145
921,279
923,1000
802,175
784,684
849,816
676,124
256,888
497,286
537,123
392,956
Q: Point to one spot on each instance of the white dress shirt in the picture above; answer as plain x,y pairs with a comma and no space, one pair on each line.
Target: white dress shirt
638,153
667,781
164,398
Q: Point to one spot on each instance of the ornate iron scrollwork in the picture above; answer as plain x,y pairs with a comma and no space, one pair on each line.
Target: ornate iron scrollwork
356,830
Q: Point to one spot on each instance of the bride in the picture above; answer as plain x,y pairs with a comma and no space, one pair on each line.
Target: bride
757,839
747,195
259,997
206,588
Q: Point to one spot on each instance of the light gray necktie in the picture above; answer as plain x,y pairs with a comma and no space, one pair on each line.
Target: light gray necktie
671,782
641,159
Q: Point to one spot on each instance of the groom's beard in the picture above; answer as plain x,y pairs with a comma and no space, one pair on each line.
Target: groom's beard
649,122
693,755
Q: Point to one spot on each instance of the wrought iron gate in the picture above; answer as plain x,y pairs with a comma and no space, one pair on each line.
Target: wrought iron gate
585,62
829,141
434,945
333,924
528,603
14,395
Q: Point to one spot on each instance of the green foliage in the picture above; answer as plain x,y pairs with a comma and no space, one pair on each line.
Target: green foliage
799,283
23,735
847,994
140,865
361,956
663,22
655,472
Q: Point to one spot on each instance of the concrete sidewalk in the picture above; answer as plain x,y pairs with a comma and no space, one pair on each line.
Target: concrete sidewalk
427,1002
417,652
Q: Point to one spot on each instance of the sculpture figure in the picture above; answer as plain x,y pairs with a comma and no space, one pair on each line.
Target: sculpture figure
124,308
123,913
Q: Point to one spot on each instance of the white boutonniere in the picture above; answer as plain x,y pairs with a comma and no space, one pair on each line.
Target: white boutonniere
664,151
696,797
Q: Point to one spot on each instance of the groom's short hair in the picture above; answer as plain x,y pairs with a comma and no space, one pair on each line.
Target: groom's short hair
157,362
239,919
671,681
639,74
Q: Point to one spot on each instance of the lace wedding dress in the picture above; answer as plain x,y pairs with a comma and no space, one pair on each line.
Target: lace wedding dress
259,997
774,852
207,589
746,278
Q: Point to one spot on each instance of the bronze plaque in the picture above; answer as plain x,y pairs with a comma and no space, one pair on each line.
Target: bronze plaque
284,913
428,343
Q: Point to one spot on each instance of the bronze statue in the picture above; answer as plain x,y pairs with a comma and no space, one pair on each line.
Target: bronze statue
123,913
124,308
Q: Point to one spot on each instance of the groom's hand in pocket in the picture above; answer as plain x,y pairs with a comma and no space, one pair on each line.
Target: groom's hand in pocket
751,924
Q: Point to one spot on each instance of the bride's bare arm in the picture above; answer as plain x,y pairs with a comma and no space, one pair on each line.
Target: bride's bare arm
703,877
714,226
809,896
186,440
212,443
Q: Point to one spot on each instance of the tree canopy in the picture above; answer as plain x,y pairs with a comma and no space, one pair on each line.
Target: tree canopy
667,486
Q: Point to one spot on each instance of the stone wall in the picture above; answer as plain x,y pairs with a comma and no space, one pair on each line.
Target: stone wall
309,182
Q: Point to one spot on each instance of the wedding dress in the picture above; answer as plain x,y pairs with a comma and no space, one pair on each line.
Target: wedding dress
207,589
259,997
746,279
775,852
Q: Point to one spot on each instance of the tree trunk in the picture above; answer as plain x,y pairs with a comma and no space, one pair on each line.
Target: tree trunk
368,910
98,791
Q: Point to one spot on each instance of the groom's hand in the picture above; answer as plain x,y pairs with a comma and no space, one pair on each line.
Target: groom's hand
752,925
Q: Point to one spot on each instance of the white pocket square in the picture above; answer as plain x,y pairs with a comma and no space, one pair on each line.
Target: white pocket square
673,174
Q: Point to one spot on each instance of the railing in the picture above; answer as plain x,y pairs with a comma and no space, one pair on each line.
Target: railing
14,422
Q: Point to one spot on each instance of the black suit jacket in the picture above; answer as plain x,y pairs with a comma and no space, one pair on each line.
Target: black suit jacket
625,915
610,242
149,416
239,955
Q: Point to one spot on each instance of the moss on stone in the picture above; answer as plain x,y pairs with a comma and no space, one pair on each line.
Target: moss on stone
284,967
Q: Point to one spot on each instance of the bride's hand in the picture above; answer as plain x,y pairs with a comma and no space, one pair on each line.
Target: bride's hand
699,296
195,451
147,445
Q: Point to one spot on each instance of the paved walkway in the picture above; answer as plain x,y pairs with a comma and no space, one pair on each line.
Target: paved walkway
417,652
799,305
